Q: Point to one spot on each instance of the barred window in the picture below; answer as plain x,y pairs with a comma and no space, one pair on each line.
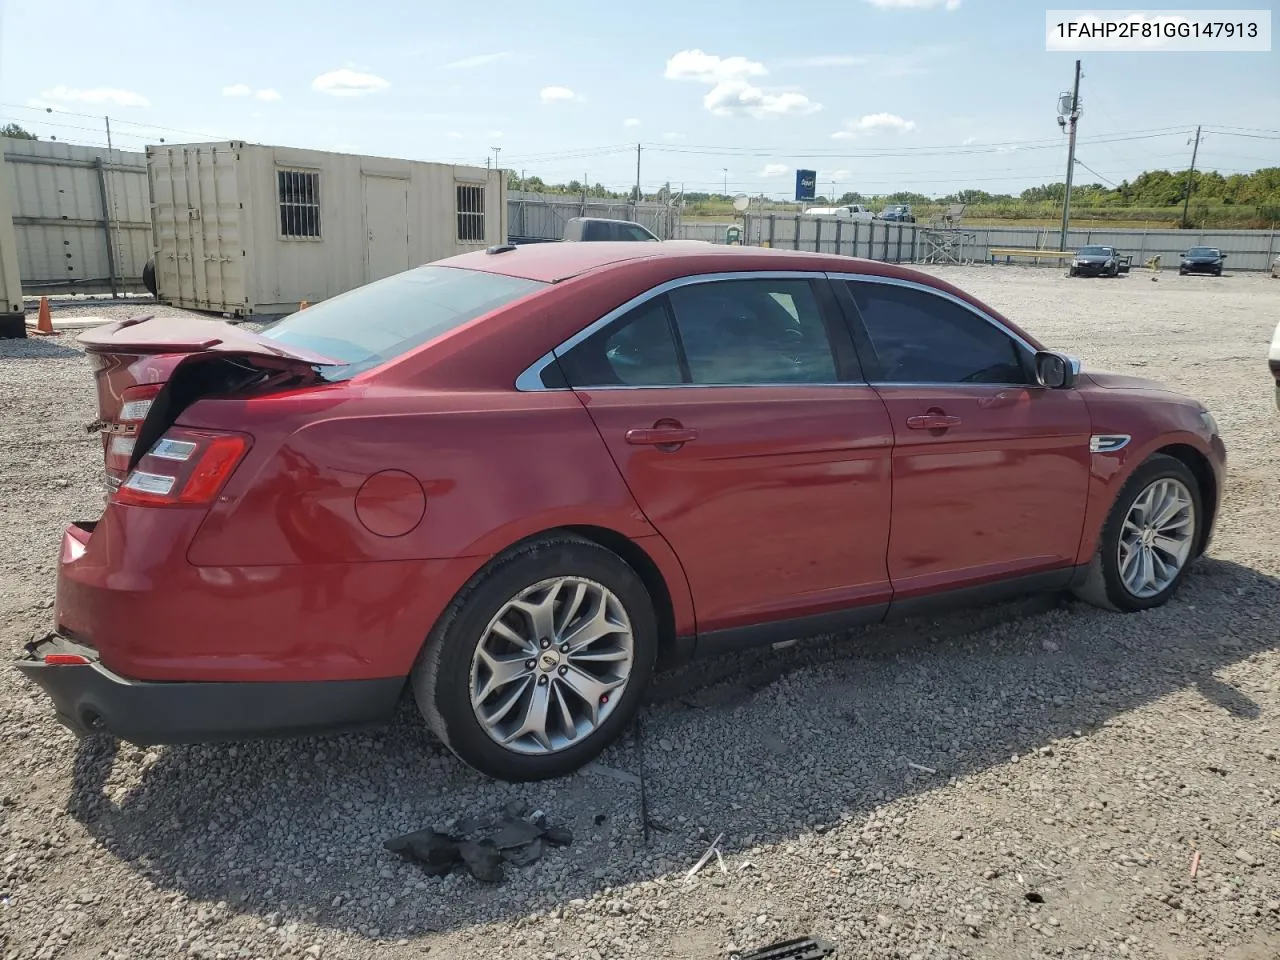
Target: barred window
470,198
299,192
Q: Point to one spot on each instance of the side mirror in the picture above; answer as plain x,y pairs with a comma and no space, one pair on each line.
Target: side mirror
1055,371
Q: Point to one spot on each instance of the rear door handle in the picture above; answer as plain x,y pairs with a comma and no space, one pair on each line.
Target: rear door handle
661,436
932,421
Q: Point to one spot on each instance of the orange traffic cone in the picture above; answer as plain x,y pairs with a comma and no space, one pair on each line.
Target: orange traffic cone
302,304
44,322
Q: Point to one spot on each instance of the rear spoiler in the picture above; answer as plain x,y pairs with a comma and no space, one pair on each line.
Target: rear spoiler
158,335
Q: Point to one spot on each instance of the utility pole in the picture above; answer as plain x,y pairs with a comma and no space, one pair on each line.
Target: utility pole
496,151
638,195
1191,177
1072,117
108,119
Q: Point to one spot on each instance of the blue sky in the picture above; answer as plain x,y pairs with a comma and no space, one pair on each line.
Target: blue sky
927,95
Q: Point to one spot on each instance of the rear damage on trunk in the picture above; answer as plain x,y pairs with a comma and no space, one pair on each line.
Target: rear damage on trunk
148,371
123,576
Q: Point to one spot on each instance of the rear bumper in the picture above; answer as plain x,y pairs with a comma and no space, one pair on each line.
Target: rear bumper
89,698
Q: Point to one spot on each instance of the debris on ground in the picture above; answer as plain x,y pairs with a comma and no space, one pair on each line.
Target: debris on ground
805,948
482,847
702,861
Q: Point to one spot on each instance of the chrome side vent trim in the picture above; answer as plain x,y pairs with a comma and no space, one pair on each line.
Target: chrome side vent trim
1108,442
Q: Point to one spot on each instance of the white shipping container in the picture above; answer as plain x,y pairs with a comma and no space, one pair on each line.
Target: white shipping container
248,229
81,216
11,312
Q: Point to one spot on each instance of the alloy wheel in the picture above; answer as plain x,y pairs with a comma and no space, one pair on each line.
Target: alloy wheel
551,665
1156,537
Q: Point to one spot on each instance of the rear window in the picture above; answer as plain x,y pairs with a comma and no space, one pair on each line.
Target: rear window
380,321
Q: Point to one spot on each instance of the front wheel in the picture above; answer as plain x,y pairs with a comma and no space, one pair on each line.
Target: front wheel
1149,540
541,661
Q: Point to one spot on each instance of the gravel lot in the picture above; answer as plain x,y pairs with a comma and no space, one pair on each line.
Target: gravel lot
1081,758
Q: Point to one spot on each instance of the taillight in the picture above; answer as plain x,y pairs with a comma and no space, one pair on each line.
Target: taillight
182,468
135,405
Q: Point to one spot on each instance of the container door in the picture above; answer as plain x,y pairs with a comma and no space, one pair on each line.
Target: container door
386,227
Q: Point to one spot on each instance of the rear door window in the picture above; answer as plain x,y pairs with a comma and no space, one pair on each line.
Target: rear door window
753,331
728,332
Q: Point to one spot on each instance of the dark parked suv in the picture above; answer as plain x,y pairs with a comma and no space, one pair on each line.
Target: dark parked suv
1202,260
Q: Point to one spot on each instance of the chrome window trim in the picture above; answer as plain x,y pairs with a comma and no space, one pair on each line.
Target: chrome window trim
926,288
790,384
530,379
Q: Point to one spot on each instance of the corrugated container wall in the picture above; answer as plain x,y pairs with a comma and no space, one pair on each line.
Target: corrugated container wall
80,215
248,229
11,314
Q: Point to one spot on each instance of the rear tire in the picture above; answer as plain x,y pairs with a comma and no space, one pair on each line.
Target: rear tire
1110,582
522,596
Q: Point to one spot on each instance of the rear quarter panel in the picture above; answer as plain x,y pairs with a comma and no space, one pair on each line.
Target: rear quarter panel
492,472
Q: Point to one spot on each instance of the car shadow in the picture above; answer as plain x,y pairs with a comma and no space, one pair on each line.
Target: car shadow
761,748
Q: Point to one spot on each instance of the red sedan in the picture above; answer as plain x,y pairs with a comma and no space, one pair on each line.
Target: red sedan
516,480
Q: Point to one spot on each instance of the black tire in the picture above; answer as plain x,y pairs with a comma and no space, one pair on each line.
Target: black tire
1182,273
1071,272
149,276
442,674
1103,586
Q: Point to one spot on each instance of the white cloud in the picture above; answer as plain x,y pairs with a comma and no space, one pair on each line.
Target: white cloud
824,60
496,134
631,122
968,140
709,68
672,136
732,92
454,135
774,169
236,90
839,175
737,97
557,95
98,95
348,83
269,95
915,4
479,60
874,123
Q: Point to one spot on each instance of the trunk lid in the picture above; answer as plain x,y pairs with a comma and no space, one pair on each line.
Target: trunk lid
147,370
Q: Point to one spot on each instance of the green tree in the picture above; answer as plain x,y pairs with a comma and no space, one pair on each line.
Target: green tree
15,132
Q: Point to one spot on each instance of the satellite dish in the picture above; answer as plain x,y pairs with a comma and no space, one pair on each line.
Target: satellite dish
741,202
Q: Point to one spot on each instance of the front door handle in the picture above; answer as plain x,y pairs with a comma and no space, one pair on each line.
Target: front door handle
661,436
932,421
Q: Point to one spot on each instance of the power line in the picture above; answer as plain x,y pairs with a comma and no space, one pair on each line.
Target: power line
1096,173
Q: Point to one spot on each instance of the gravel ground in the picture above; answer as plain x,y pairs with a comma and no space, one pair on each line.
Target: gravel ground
1068,762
